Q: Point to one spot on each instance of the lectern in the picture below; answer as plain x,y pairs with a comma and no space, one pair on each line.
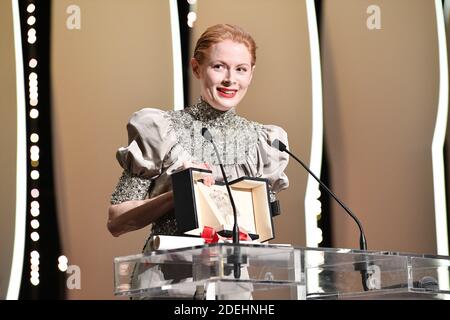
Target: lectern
281,272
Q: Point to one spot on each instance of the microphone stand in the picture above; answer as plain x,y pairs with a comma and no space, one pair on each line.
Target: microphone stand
362,266
236,258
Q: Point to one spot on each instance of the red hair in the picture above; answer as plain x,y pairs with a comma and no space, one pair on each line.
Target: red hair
221,32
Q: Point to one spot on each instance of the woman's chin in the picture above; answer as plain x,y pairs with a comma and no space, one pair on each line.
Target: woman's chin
225,105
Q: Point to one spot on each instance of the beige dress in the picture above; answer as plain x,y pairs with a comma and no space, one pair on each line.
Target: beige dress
159,142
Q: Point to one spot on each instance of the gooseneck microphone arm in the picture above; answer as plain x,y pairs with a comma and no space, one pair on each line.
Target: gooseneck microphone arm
207,135
362,239
236,259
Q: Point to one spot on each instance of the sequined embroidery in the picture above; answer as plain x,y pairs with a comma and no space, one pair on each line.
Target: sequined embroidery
235,137
129,188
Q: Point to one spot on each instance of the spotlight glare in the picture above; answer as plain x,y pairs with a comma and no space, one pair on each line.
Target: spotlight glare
34,149
34,224
35,204
34,137
31,8
34,174
31,40
34,261
63,259
62,267
34,236
31,20
35,212
34,281
35,193
192,16
34,113
32,63
34,254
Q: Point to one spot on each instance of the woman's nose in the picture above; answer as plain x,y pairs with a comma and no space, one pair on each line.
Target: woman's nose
229,79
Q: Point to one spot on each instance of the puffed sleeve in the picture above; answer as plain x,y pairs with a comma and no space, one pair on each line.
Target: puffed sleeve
150,142
272,162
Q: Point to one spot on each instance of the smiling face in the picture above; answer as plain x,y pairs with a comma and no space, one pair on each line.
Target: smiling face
225,74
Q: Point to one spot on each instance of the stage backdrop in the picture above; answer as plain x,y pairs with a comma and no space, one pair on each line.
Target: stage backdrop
381,91
120,61
380,100
8,141
117,63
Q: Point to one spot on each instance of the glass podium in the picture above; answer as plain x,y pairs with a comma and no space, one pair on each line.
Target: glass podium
223,271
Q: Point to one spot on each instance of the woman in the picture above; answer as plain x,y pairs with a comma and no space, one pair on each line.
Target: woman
161,142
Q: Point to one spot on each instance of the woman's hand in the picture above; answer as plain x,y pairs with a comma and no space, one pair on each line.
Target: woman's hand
208,179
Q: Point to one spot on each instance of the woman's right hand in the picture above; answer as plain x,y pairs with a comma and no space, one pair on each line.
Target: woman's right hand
208,179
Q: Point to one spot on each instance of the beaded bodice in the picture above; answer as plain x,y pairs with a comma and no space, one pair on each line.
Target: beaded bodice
234,136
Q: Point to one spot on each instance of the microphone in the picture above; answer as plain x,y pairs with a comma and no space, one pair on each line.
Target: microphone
236,258
277,144
363,266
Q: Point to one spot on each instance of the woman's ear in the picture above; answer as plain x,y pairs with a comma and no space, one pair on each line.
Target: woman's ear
251,73
195,68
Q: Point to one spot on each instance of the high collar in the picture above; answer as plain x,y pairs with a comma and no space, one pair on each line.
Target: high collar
203,111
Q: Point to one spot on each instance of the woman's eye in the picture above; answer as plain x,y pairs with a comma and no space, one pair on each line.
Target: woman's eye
242,69
218,66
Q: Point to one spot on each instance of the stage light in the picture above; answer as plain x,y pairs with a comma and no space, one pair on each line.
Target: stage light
191,18
62,267
63,259
34,236
32,63
33,99
34,281
34,113
31,36
34,254
35,212
35,193
34,261
35,204
192,2
34,137
35,267
31,20
34,149
31,8
34,174
34,224
62,263
35,163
